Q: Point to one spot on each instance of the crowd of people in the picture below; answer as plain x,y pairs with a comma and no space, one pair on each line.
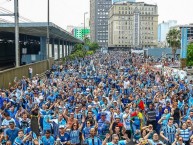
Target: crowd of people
103,99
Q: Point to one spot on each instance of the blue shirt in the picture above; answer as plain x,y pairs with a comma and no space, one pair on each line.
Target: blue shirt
103,128
12,134
65,137
86,132
95,140
46,124
121,142
18,141
48,141
74,137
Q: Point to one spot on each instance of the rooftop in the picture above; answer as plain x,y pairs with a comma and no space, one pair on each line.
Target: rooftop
40,29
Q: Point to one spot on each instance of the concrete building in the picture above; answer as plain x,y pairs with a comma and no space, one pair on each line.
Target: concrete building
114,1
163,29
132,25
99,21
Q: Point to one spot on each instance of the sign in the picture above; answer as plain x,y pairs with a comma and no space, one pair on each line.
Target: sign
184,42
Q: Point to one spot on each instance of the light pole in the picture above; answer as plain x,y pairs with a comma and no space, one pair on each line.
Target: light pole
16,11
16,15
48,31
84,25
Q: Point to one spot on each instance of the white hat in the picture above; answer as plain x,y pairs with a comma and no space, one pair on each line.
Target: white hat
61,126
41,97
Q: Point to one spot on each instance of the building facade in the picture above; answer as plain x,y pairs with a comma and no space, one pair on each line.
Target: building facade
69,28
114,1
99,21
80,32
186,37
163,29
133,25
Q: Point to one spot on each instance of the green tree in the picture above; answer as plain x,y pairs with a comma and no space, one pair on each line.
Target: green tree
173,38
93,46
87,41
190,55
78,47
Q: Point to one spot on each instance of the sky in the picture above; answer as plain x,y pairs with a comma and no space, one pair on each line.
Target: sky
71,12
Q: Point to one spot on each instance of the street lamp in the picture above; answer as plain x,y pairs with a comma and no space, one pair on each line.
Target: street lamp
16,15
84,24
48,35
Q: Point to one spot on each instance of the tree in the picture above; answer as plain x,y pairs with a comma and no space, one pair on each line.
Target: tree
93,46
77,47
87,41
190,55
173,39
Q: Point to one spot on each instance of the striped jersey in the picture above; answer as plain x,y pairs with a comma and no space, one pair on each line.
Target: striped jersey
185,134
169,132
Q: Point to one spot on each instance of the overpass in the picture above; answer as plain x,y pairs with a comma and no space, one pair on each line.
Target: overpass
33,42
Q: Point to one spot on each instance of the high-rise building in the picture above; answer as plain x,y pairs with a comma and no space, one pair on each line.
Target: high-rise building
99,21
80,32
132,25
114,1
163,29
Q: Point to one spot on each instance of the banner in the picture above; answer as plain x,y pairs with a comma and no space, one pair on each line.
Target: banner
184,42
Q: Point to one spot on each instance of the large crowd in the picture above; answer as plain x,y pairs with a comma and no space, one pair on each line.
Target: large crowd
103,99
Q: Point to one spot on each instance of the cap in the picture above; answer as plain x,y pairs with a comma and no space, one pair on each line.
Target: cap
11,122
117,116
114,101
103,114
87,89
61,126
41,97
89,106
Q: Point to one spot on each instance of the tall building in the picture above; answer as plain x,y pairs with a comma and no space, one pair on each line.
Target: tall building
80,32
132,25
114,1
99,21
163,29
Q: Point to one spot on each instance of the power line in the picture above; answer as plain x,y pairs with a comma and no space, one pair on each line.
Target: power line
21,18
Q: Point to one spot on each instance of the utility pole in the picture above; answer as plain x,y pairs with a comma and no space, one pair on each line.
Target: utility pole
84,26
48,31
16,15
17,52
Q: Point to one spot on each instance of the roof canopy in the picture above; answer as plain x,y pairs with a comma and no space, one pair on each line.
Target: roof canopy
40,29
